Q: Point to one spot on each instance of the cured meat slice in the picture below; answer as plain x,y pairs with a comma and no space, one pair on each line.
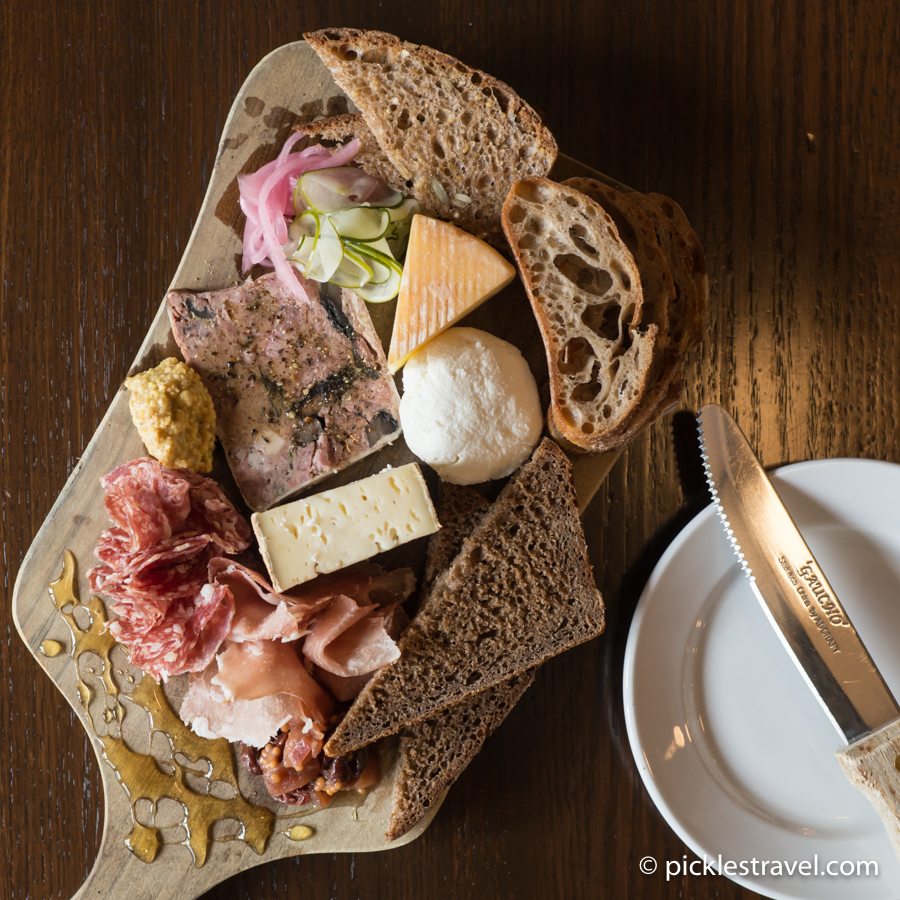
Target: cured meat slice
169,553
300,384
154,565
185,639
347,639
253,722
255,620
261,613
148,501
211,622
213,514
366,582
257,669
393,621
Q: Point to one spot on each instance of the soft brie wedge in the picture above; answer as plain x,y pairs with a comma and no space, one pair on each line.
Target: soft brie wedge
446,274
346,525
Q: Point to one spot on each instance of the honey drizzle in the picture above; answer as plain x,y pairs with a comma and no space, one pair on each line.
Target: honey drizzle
139,773
51,648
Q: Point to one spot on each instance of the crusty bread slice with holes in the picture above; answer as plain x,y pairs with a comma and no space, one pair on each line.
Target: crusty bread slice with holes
687,317
685,322
460,136
520,590
585,290
638,234
436,751
677,216
659,298
370,157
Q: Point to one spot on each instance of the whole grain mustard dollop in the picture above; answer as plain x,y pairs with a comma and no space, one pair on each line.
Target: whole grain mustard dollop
174,415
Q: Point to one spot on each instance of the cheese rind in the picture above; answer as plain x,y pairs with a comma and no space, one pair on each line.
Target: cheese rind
346,525
446,274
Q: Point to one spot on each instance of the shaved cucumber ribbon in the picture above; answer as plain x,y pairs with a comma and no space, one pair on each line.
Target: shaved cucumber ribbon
266,198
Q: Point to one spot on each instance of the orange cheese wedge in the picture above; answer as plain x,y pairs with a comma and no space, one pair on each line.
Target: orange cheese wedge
446,274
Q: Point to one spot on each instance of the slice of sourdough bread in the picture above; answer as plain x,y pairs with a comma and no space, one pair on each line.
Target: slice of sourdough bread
677,216
435,751
639,236
520,590
637,233
460,136
370,157
687,311
585,290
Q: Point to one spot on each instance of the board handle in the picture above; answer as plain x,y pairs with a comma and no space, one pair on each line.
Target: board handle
872,765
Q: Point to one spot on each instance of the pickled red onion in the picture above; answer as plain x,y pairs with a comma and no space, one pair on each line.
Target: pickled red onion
267,202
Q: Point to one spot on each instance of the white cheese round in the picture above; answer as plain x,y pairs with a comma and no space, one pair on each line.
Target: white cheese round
470,406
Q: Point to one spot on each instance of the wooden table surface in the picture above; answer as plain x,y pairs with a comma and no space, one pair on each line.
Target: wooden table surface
776,126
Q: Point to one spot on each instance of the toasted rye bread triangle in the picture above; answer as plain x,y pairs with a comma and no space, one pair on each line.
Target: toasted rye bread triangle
520,590
435,751
460,508
585,290
459,136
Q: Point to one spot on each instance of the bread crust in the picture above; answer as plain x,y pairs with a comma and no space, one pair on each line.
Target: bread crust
688,318
585,290
435,752
459,135
370,157
697,257
639,234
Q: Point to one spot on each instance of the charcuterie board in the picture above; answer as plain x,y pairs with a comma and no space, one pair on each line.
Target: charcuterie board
181,813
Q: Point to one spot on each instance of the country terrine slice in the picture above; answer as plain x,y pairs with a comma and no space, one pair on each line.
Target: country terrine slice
301,386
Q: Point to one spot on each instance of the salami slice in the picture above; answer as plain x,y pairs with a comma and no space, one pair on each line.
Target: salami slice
168,524
213,514
147,500
186,638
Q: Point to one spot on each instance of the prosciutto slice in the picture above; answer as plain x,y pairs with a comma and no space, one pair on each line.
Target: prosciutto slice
254,722
365,582
337,644
260,612
258,669
343,657
253,690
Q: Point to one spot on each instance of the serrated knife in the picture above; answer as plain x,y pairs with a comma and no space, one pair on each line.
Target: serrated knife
806,614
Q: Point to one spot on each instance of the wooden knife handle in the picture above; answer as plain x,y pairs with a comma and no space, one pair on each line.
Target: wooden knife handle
872,764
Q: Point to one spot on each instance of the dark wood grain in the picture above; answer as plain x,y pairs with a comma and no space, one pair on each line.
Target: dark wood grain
776,126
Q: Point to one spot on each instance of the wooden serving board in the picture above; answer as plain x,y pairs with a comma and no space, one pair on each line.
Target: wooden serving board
214,819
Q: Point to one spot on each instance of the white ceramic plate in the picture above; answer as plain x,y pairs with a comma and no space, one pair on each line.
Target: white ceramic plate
734,749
